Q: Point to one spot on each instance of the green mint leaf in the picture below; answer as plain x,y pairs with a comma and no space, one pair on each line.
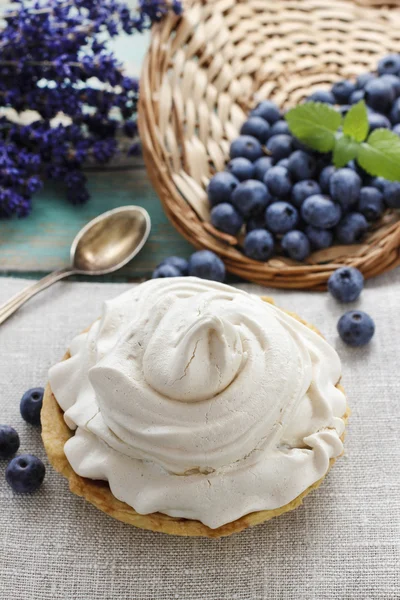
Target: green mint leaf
355,123
314,124
380,155
345,150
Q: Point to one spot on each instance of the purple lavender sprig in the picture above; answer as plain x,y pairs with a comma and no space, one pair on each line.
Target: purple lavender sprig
54,59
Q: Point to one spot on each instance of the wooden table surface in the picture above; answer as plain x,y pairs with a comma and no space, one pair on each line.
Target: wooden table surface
40,243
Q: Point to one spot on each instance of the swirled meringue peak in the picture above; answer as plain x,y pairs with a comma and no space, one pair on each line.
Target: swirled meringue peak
198,400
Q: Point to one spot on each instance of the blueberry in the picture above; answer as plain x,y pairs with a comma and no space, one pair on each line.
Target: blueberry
221,187
31,405
319,238
344,187
342,91
25,473
363,79
281,217
166,271
302,165
396,129
279,127
346,284
379,95
356,96
226,218
178,262
206,265
257,127
354,166
379,183
278,181
377,121
261,166
257,222
344,109
302,190
320,211
356,328
9,441
246,146
391,194
322,96
280,146
371,203
267,110
389,64
251,197
284,162
259,244
296,244
395,112
325,177
394,81
241,168
351,228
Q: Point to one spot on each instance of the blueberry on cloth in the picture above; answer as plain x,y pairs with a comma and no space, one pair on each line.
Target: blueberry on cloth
31,405
278,181
9,441
371,203
166,271
259,244
356,328
257,127
281,217
320,211
242,168
351,228
346,284
344,187
319,238
226,218
251,197
267,110
206,265
221,187
25,473
178,262
246,146
296,244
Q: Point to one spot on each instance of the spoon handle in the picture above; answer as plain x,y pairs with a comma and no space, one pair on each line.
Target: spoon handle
9,308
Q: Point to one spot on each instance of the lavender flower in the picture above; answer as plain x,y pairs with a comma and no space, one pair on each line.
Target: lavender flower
50,54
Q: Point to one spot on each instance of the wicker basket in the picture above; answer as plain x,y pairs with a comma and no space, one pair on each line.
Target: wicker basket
205,71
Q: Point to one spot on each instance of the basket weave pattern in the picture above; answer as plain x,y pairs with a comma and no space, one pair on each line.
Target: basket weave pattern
206,70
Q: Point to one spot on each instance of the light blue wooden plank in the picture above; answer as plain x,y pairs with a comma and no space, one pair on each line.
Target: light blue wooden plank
40,243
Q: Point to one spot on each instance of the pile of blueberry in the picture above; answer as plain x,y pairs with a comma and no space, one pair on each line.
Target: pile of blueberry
204,264
25,473
291,199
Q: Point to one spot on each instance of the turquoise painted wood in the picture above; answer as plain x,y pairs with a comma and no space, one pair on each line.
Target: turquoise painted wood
40,243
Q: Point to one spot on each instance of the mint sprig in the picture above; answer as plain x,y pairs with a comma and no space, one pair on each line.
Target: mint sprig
322,128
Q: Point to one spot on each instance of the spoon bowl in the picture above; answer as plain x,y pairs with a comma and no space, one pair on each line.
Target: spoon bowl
110,241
